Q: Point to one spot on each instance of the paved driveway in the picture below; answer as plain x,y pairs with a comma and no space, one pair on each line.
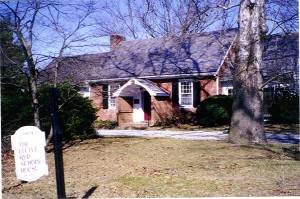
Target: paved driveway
192,135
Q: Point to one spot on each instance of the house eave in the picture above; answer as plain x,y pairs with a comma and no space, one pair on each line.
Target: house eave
170,76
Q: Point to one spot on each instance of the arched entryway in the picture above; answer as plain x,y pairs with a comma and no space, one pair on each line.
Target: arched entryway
134,100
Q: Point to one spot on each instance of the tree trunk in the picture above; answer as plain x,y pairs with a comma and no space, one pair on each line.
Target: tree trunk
247,125
33,76
49,138
35,102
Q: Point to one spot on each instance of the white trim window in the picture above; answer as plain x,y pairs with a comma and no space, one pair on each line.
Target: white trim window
85,91
112,102
230,91
227,90
186,93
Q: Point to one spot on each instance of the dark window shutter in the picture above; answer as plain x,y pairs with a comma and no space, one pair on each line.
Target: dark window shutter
105,96
196,93
175,98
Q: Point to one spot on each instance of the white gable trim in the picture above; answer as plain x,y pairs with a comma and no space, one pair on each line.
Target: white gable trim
226,55
149,86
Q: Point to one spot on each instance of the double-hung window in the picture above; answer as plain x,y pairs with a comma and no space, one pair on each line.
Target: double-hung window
111,99
186,93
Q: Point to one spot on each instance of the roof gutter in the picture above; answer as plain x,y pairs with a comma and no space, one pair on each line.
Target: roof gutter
178,75
153,77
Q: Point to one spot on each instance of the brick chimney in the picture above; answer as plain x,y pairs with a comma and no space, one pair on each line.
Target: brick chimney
116,40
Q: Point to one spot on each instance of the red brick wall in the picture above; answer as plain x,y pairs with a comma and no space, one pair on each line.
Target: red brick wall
96,97
161,107
208,88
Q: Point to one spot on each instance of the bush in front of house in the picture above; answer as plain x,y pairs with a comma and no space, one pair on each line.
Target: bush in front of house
178,118
76,112
170,121
285,109
215,111
105,124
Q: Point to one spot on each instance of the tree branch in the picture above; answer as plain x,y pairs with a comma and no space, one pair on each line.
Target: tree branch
273,78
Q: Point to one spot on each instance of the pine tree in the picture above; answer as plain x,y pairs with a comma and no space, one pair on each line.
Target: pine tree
15,100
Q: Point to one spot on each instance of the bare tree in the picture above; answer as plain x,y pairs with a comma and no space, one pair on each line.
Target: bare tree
118,17
155,18
282,16
69,37
247,123
28,18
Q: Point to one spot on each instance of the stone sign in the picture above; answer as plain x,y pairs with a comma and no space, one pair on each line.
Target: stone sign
28,144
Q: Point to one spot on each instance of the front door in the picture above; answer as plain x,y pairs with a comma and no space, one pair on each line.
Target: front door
147,106
138,114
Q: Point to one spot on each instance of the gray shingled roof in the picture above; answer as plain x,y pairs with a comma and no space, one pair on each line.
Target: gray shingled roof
190,54
280,56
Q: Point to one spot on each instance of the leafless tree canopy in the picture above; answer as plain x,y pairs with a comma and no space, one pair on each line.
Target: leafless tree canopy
51,28
154,18
31,19
282,15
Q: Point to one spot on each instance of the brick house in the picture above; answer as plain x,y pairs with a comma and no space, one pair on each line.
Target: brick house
145,81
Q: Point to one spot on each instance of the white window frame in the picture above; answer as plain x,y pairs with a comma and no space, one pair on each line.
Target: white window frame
85,93
110,97
192,93
225,90
231,91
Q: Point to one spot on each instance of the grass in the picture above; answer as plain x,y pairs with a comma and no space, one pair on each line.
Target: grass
140,167
167,186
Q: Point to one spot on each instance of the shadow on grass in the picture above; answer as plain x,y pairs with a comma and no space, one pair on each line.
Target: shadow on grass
103,140
282,128
69,143
14,186
291,151
89,192
50,148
